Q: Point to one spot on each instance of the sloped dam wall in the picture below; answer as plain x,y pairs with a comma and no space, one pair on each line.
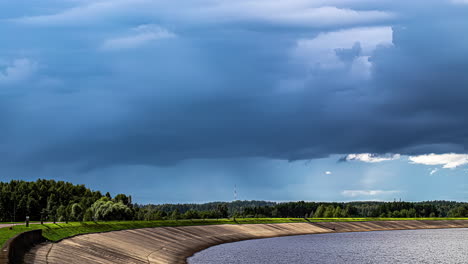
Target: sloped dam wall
176,244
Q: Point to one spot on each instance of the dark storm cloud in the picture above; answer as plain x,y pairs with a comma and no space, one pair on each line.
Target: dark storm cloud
243,89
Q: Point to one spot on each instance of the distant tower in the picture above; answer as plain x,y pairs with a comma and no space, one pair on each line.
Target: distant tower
235,192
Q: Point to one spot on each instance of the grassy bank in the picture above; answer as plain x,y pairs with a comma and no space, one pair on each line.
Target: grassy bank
55,232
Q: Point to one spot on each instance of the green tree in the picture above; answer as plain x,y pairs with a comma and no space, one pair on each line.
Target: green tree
106,209
351,211
404,213
191,214
52,207
320,212
76,212
62,214
222,210
88,215
122,198
337,212
329,211
461,211
396,214
412,212
175,215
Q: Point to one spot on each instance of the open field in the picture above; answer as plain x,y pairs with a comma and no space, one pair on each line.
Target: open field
174,244
56,232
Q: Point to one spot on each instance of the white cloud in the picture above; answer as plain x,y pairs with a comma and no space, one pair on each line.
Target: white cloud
459,1
293,12
356,193
328,172
17,70
321,51
84,13
371,158
433,171
296,12
449,160
361,67
140,36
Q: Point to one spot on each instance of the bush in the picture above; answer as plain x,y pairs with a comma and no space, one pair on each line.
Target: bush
106,209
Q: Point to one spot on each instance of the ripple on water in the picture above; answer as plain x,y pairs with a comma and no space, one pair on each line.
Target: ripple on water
405,246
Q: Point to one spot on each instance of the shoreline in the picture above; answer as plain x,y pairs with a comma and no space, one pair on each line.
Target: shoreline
177,244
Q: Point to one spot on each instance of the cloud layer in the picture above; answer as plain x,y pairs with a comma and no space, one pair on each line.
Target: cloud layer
141,35
293,13
157,82
367,193
370,158
18,70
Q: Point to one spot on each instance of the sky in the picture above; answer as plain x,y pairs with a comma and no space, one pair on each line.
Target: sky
180,101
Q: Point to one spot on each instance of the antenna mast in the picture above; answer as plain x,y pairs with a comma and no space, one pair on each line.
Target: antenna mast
235,192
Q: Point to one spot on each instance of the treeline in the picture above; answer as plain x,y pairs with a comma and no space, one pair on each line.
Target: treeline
50,200
195,211
259,209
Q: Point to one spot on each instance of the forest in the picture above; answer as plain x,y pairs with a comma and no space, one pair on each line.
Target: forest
49,200
249,209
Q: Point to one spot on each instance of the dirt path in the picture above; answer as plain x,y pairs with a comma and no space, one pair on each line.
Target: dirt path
175,244
31,223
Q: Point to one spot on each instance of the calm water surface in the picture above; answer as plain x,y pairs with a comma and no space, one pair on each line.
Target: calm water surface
408,246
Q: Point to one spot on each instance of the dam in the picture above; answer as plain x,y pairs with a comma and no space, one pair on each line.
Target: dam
176,244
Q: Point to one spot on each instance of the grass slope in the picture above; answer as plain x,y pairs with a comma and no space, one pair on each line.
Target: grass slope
56,232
